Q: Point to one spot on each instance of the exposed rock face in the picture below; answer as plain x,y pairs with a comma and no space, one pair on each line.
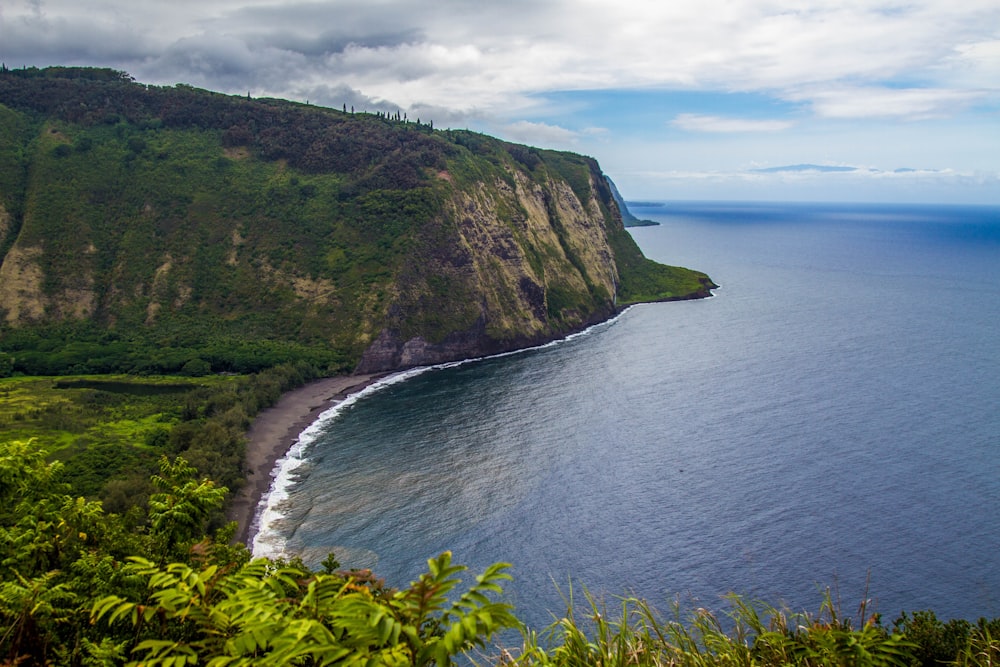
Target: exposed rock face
389,352
181,219
491,260
4,223
627,217
20,286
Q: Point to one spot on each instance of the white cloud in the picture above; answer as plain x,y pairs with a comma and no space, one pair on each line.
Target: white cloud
819,175
862,184
974,65
539,134
872,102
700,123
842,71
479,55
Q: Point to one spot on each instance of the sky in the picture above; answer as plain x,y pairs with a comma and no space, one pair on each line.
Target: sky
824,100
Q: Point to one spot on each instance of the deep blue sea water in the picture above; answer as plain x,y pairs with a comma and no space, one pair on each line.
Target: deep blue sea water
831,416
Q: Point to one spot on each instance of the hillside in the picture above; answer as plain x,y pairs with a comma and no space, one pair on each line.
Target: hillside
164,229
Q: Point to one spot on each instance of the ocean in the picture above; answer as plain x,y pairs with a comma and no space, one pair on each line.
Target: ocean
830,419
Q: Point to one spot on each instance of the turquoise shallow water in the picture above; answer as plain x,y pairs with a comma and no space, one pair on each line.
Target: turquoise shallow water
831,416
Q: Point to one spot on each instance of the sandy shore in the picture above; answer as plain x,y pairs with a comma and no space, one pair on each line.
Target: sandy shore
276,429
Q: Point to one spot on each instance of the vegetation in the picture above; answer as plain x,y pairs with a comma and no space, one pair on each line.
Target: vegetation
164,230
172,260
242,247
108,432
82,586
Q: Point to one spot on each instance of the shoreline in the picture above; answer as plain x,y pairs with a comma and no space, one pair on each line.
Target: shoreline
275,429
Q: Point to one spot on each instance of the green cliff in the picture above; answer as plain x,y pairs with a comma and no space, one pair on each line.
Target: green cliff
145,228
627,217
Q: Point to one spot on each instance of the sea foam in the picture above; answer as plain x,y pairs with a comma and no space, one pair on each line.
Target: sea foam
269,541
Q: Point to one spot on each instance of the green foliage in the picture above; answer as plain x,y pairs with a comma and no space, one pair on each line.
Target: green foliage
181,231
42,532
643,280
938,642
79,586
196,368
181,507
174,227
956,641
560,299
184,231
29,606
751,634
100,427
825,639
647,280
274,614
109,431
574,169
58,553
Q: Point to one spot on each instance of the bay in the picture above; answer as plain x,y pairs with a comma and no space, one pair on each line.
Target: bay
830,418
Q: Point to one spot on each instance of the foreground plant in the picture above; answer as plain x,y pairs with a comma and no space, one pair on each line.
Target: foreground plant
751,634
956,642
82,587
274,614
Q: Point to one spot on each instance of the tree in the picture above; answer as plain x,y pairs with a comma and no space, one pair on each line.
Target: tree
179,511
43,535
196,367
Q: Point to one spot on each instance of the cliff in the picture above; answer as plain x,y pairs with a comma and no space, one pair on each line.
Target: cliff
627,218
144,228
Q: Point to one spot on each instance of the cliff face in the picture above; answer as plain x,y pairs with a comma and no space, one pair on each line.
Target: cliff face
204,225
627,217
518,281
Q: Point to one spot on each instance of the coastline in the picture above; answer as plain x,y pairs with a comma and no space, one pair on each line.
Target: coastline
275,429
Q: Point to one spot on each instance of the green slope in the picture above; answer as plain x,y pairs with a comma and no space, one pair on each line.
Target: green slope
145,227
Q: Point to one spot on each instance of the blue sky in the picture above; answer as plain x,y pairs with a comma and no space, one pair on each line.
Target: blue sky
888,100
715,145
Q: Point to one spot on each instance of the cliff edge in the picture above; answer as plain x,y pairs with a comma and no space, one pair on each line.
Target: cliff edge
143,228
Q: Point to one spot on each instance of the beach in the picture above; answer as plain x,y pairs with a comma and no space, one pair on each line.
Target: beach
275,429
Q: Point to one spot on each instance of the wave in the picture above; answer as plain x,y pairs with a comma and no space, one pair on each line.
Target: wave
268,539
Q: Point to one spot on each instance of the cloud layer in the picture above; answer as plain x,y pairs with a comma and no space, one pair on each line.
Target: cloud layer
841,58
701,123
496,65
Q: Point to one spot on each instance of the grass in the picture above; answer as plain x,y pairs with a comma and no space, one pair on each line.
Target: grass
109,430
65,414
748,634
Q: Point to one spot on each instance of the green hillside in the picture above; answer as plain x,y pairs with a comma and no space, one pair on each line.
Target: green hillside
145,228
